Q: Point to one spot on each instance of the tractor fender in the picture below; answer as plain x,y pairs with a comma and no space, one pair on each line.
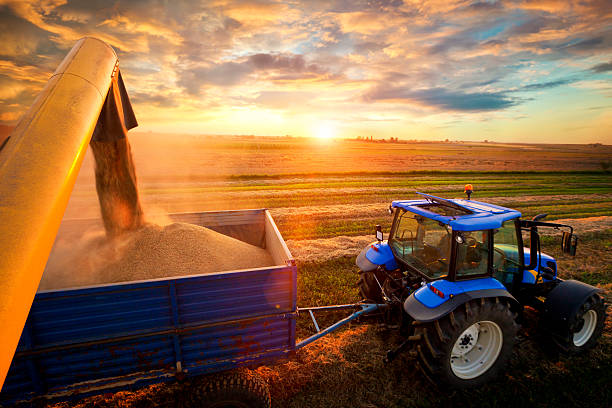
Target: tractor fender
563,302
425,305
375,254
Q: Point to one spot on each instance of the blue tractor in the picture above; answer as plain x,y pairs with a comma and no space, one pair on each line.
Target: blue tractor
456,277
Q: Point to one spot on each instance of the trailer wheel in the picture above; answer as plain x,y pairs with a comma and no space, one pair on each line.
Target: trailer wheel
235,389
368,287
469,346
585,327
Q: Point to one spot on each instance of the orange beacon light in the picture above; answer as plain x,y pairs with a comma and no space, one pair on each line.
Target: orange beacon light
468,189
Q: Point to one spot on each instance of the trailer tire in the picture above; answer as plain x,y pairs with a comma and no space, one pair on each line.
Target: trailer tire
585,327
239,389
368,288
469,346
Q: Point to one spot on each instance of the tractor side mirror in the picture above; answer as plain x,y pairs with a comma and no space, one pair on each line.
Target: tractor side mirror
379,234
569,242
390,209
539,217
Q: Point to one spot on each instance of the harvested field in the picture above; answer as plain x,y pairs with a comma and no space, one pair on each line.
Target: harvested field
323,249
200,157
151,252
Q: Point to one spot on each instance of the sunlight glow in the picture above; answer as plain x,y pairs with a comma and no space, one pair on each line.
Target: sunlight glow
325,131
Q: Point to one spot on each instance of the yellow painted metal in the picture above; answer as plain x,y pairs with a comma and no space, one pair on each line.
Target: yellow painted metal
38,167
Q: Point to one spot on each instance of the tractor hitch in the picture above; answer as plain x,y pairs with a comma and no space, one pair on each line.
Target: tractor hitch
393,353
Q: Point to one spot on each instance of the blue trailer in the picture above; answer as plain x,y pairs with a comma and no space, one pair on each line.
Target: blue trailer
115,336
111,337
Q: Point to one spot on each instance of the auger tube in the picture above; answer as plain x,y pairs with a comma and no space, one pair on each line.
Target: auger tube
38,167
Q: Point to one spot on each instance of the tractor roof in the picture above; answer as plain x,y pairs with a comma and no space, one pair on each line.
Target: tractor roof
460,215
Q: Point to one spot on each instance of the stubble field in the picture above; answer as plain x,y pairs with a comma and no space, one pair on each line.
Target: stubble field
326,198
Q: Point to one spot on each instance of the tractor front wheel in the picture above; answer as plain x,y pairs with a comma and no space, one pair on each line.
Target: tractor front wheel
585,327
469,346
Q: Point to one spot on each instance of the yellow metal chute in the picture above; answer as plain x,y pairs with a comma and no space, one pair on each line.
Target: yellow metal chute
38,167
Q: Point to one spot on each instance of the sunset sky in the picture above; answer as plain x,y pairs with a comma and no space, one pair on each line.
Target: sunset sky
518,71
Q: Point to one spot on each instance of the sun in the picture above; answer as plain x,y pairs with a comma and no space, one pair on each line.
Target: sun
325,131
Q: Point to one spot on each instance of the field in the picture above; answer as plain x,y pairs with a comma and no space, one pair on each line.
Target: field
326,199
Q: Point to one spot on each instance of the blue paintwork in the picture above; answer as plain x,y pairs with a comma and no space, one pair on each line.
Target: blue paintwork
428,298
382,255
364,308
545,261
110,337
482,216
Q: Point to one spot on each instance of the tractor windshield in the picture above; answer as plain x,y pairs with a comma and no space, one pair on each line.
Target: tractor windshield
422,244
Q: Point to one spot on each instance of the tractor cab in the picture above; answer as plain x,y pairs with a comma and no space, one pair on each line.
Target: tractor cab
456,239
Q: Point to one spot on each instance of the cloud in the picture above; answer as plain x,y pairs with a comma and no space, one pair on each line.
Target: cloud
538,24
549,84
260,66
370,57
18,36
443,99
284,100
586,44
603,67
159,99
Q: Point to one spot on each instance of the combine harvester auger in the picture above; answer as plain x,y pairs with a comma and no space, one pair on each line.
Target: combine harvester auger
39,163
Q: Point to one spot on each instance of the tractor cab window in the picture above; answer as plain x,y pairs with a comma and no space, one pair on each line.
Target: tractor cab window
472,254
422,244
506,258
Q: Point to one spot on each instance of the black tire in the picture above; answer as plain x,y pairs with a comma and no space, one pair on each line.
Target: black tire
239,389
436,341
566,342
368,287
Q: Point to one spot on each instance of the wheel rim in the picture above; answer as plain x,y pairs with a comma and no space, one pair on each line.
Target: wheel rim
582,336
476,350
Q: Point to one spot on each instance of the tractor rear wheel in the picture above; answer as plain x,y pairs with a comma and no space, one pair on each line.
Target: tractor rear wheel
469,346
368,287
585,327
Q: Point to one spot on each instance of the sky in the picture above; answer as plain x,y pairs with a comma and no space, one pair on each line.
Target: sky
507,71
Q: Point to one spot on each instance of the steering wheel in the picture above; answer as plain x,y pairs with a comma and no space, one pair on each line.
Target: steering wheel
503,259
441,260
471,242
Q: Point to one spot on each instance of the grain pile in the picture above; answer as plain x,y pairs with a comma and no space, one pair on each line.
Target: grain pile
150,252
129,249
